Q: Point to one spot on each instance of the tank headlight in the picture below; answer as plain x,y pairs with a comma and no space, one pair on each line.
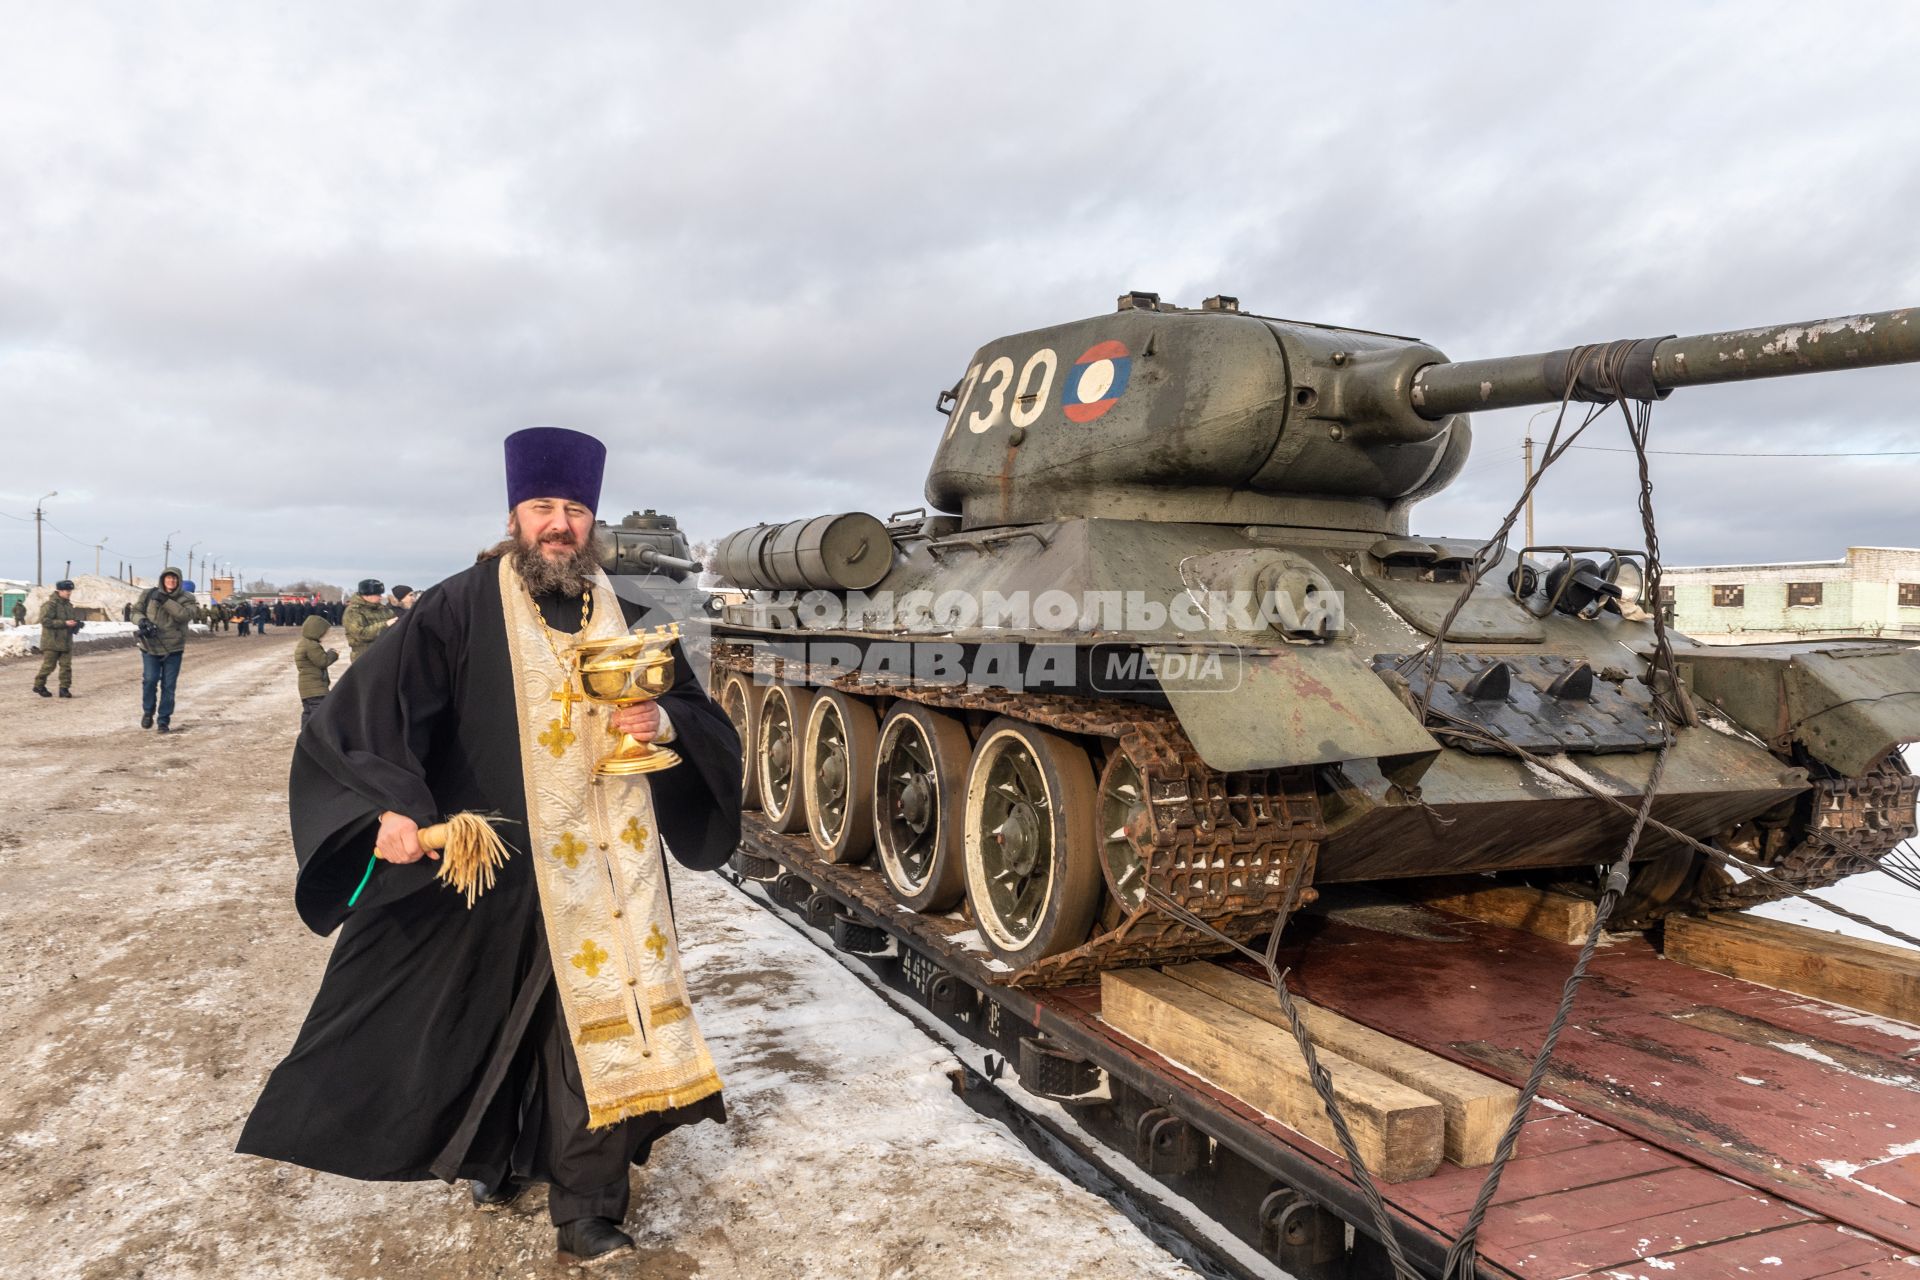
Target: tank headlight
1630,578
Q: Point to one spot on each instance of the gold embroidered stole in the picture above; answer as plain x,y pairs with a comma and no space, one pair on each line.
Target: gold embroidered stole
603,890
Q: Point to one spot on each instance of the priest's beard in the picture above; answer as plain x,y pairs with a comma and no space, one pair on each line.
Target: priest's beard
567,576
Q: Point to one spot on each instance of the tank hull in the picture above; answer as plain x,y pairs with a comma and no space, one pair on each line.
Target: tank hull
1092,627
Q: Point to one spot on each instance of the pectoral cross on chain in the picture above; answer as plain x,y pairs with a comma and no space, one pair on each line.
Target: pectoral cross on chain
566,697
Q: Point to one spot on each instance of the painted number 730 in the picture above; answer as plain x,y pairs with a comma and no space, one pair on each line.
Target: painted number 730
993,382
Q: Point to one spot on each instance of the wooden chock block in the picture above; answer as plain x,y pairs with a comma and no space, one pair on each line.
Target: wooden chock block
1876,977
1398,1131
1545,913
1477,1107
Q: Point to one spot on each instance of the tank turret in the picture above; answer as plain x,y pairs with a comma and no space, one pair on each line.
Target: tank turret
1212,415
646,542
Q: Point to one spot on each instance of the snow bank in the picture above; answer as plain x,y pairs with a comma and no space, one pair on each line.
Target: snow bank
90,591
20,641
17,642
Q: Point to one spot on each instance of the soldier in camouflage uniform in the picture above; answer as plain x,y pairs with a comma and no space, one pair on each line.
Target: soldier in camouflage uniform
58,621
368,616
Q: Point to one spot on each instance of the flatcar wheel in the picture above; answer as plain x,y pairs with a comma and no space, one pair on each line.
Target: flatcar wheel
1123,811
840,742
740,700
919,807
783,719
1033,852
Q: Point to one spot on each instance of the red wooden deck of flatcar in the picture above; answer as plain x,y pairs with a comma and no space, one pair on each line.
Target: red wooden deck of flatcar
1581,1197
1809,1106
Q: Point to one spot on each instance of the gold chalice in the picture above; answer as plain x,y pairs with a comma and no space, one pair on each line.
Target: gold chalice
625,672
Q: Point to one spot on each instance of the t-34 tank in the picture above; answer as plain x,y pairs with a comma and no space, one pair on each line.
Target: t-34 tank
645,542
1168,627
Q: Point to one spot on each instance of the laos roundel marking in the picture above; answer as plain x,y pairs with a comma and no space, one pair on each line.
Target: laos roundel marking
1096,382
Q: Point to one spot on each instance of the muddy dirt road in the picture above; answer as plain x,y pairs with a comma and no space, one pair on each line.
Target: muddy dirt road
152,971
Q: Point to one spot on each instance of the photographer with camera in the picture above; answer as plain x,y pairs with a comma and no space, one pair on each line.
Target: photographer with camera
58,622
163,614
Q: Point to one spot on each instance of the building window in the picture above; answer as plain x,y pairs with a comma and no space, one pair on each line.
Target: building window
1910,595
1733,597
1666,594
1803,594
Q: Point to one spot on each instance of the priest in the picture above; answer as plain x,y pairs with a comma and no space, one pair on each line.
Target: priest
539,1029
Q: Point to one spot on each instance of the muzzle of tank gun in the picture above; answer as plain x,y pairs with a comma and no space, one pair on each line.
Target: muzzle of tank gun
1650,368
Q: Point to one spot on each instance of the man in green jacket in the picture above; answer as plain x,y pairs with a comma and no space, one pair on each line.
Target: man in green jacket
367,617
170,611
58,622
310,662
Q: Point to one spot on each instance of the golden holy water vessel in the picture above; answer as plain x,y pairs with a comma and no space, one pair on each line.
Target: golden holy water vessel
625,672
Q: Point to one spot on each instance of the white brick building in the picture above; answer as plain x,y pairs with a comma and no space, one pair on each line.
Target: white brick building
1874,592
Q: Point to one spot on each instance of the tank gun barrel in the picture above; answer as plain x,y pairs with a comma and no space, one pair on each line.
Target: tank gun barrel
653,559
1649,368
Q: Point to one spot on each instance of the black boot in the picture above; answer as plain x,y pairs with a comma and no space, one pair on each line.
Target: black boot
66,693
146,721
163,729
591,1240
491,1199
42,690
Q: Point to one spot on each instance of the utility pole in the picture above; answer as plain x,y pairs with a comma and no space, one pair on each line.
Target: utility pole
1527,445
39,539
166,556
97,548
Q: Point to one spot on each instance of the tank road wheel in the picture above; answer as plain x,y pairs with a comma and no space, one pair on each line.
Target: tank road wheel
1123,814
920,806
840,742
783,721
1033,853
739,699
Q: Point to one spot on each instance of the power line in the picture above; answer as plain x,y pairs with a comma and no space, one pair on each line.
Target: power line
78,542
1732,453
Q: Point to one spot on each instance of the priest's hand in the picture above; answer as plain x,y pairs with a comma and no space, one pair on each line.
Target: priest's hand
399,840
641,721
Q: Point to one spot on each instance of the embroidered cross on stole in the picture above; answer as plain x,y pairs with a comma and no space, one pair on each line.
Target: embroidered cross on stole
602,881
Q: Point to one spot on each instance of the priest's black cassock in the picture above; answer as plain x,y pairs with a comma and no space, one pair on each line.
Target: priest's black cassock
436,1046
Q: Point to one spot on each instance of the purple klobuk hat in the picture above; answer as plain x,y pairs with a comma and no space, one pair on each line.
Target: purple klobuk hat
553,462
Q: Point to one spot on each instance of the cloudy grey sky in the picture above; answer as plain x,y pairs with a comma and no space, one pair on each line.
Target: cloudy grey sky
281,277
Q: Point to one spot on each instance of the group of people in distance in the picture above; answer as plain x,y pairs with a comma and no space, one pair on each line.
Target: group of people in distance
165,614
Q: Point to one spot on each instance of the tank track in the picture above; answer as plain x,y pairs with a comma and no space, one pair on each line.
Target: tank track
1855,823
1223,845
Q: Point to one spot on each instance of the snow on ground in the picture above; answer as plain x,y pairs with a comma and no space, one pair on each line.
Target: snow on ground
18,642
152,971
